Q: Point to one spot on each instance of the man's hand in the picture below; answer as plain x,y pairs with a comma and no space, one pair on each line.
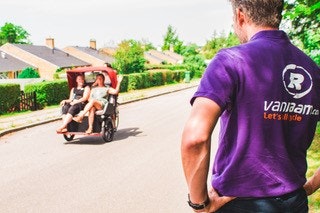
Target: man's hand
308,187
313,184
216,202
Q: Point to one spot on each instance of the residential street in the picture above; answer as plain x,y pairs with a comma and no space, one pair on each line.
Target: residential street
140,171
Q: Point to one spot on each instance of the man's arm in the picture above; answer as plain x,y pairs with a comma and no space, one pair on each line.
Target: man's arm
195,151
313,184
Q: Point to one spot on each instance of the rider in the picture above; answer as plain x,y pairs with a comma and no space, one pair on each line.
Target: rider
76,102
98,99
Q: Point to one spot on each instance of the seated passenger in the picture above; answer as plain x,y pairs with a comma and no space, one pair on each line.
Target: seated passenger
98,99
76,102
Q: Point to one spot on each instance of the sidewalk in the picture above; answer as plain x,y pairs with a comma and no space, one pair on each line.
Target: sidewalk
30,119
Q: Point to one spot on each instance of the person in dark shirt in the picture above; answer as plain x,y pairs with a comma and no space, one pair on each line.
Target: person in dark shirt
79,95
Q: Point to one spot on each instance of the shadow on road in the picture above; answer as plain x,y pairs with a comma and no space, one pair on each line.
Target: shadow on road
121,134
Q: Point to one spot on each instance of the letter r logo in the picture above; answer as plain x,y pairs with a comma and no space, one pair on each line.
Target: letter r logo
296,80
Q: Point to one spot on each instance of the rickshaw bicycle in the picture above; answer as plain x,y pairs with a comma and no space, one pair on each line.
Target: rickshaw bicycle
106,121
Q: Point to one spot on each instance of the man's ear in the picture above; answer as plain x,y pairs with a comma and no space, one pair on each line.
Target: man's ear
240,17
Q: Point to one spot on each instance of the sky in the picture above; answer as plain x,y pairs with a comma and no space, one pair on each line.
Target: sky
76,22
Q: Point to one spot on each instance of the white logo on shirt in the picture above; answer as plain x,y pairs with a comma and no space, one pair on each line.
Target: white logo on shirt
297,81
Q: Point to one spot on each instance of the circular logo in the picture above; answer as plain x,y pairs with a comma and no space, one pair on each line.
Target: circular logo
296,80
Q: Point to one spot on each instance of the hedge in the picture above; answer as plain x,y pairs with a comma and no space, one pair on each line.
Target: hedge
9,97
150,79
49,92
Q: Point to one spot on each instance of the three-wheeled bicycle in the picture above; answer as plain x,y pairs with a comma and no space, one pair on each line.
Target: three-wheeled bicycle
106,121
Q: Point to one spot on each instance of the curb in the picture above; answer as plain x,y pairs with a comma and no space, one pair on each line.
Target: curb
7,131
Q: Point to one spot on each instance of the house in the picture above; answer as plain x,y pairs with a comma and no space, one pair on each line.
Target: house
174,55
47,59
152,56
163,57
10,66
151,59
111,51
90,54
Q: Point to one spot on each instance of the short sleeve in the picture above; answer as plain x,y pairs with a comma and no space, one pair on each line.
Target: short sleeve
218,82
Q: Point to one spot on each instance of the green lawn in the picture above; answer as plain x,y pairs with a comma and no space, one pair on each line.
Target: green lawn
313,164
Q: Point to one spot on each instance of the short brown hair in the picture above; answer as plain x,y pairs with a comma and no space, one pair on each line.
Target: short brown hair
266,13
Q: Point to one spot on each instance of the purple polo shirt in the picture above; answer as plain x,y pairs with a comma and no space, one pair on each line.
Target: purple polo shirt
269,93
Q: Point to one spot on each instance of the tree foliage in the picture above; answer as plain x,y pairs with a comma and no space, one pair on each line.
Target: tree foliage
13,34
191,49
147,45
171,39
129,57
193,60
195,64
218,42
304,19
29,72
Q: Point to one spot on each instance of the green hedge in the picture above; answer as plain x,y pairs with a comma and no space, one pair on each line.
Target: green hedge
9,97
166,66
150,79
49,92
124,84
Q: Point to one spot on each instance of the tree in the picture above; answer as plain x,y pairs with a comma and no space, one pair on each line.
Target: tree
218,42
191,49
129,57
193,60
303,17
29,72
13,34
171,39
196,64
147,45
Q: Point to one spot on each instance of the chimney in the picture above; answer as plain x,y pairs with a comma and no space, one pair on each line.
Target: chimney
50,42
93,44
3,55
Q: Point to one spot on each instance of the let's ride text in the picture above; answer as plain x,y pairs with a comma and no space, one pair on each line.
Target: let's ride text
282,117
287,111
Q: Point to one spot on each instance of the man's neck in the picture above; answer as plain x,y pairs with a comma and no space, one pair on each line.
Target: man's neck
252,30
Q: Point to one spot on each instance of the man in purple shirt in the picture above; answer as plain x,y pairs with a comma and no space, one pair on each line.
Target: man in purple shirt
266,94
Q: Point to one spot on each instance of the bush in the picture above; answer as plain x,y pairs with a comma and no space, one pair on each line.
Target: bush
135,82
29,73
313,165
152,78
195,64
124,84
166,66
49,93
156,78
9,97
168,77
178,75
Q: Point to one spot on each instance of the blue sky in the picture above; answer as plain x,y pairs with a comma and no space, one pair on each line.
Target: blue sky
75,22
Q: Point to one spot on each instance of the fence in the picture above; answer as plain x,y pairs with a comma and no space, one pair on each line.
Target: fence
28,101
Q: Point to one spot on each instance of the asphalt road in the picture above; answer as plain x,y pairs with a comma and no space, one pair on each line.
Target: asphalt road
140,171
